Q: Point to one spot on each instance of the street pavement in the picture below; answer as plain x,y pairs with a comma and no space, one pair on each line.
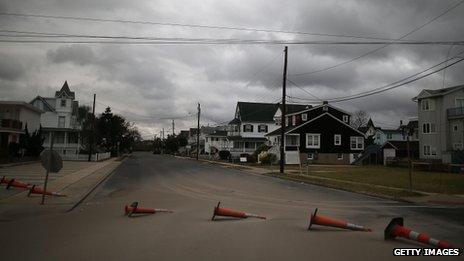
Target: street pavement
98,230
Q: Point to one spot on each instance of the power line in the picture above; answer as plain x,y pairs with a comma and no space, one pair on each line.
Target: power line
190,25
193,41
400,82
379,48
357,96
301,88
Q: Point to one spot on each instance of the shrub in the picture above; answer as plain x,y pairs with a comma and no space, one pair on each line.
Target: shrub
224,154
268,158
261,148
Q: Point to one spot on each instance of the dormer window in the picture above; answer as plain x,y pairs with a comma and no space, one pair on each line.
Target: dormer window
428,104
345,118
63,102
304,117
262,128
248,128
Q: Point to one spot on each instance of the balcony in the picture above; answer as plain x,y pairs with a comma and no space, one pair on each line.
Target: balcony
11,124
454,113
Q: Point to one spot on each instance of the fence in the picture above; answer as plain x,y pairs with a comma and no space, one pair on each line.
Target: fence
85,157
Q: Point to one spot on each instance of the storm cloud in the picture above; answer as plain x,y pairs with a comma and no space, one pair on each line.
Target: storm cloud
151,84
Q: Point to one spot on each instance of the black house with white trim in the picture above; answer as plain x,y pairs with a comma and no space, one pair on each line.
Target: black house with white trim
320,135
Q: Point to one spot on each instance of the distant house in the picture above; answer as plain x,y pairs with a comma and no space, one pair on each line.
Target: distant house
60,118
320,135
441,123
217,141
14,117
388,143
252,122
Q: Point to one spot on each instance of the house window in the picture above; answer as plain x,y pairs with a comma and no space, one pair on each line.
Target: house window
313,141
292,140
389,136
63,102
61,121
428,128
304,117
457,146
357,143
429,150
426,150
293,120
247,128
345,118
325,108
340,156
459,102
337,139
428,105
455,127
262,128
310,156
286,121
206,139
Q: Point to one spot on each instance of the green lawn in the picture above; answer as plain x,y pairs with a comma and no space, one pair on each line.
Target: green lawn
437,182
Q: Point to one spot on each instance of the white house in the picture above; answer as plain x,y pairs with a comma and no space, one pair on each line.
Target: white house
14,117
252,122
60,119
217,141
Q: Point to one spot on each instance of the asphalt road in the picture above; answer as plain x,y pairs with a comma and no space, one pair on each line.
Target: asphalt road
98,230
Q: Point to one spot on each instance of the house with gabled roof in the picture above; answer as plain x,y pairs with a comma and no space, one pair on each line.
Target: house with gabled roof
320,134
252,121
60,118
441,123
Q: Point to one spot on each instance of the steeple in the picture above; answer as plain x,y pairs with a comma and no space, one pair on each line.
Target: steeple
65,91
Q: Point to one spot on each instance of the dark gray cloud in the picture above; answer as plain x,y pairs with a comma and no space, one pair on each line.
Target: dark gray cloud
146,83
10,68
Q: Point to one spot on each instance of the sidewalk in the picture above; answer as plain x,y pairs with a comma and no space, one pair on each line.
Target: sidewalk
76,180
423,198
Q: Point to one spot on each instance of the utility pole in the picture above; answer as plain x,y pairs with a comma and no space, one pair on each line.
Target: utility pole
284,111
162,141
198,131
93,128
173,127
407,131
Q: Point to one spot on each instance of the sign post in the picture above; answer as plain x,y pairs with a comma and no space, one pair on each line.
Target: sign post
52,162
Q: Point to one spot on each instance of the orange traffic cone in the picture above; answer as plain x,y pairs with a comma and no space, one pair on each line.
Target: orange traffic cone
135,209
396,229
37,190
326,221
226,212
17,184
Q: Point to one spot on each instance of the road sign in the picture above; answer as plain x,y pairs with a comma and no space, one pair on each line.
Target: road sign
53,158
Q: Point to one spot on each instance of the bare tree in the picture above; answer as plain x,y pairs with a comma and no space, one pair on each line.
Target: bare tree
359,119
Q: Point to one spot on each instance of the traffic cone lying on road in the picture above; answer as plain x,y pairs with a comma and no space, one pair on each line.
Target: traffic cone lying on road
135,209
17,184
226,212
37,190
326,221
4,180
396,229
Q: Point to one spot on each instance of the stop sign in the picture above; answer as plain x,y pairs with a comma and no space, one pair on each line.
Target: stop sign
53,158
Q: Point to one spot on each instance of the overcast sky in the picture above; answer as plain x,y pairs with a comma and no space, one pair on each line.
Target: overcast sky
148,82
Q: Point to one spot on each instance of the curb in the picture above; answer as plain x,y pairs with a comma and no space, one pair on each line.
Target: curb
104,178
18,163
